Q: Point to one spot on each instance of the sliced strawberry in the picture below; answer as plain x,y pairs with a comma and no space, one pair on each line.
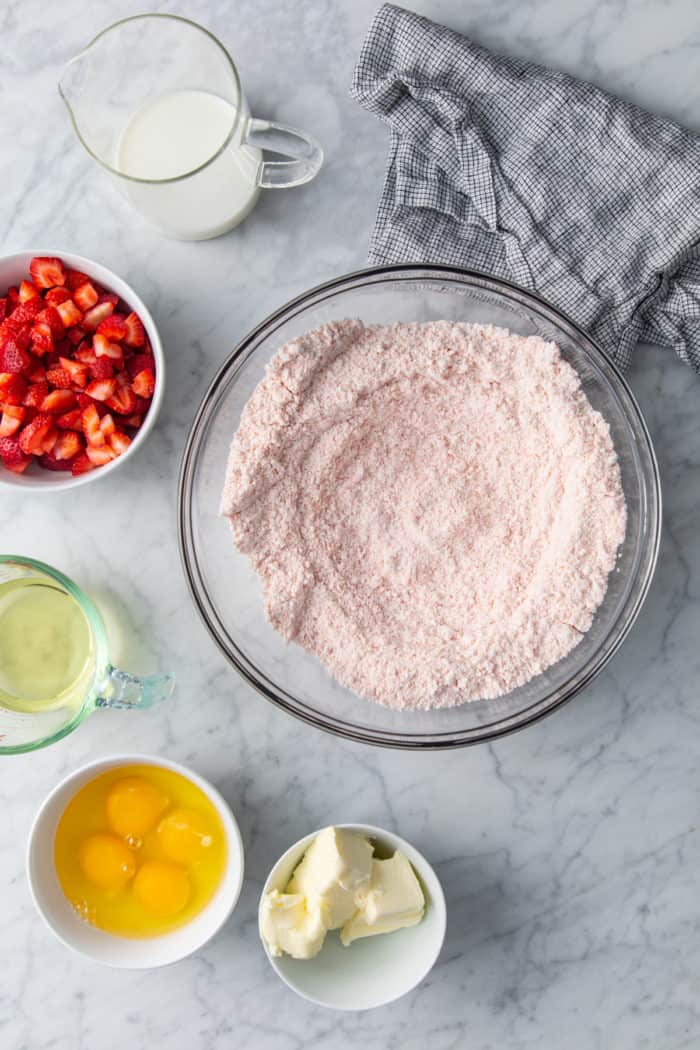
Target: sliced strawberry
76,334
87,402
49,461
13,358
144,383
60,378
85,355
119,442
134,421
113,327
135,334
76,369
107,425
3,309
70,314
50,439
81,464
101,389
35,394
86,295
12,456
27,291
98,314
36,373
72,420
91,427
110,297
74,278
123,400
52,318
27,311
103,348
12,298
42,338
138,362
99,456
68,444
34,436
12,419
101,369
13,388
58,402
47,272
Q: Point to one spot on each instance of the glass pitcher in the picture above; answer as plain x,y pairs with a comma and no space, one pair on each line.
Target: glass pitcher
54,664
157,101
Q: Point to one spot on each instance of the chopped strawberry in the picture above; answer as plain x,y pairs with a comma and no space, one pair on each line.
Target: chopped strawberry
49,461
12,456
68,444
36,373
113,327
27,291
99,456
12,298
76,334
101,369
35,394
135,334
3,309
86,402
101,389
119,442
110,297
52,318
107,425
27,312
42,338
70,314
144,383
60,378
49,440
138,362
76,369
72,420
74,278
97,314
12,418
58,402
85,295
13,388
81,464
85,355
134,421
103,348
91,427
47,272
36,434
13,357
123,400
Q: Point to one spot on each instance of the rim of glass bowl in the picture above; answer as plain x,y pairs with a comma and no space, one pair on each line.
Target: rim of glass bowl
638,586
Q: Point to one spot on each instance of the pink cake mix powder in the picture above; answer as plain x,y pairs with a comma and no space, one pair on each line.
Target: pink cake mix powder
433,509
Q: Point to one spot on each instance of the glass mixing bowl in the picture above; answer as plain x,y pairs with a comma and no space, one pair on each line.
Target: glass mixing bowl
227,592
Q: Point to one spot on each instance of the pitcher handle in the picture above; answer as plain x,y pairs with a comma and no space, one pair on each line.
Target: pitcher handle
121,689
304,154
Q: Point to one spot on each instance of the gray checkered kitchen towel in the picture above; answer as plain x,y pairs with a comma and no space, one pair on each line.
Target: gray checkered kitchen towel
499,165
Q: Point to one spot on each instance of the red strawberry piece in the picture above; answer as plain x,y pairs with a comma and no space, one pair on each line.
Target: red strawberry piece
56,296
119,442
74,278
110,297
13,358
50,462
58,402
36,374
76,334
33,437
103,348
12,456
85,295
47,272
85,355
135,334
13,388
99,456
81,464
35,394
72,420
107,425
138,362
113,327
27,291
101,369
123,400
98,314
87,402
134,421
101,389
70,314
12,419
28,311
76,369
91,426
42,338
144,383
3,309
12,298
68,444
60,378
52,318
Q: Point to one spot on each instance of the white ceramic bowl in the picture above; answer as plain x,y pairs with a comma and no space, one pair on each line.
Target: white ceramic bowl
35,479
110,949
375,970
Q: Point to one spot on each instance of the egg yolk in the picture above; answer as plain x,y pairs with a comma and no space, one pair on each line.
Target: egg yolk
106,861
134,805
185,835
162,888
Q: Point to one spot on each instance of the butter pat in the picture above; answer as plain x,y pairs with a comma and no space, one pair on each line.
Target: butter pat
287,926
393,899
335,867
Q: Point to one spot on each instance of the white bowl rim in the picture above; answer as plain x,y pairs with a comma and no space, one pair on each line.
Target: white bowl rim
236,853
58,482
419,862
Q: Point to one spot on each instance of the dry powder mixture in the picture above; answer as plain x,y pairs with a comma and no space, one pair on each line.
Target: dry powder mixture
433,509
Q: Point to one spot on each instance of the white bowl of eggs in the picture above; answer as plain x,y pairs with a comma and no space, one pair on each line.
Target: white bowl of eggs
135,861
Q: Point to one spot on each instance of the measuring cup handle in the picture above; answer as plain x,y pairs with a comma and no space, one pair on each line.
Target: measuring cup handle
121,689
304,153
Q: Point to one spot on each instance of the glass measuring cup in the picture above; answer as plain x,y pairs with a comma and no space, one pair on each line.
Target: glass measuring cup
39,609
157,101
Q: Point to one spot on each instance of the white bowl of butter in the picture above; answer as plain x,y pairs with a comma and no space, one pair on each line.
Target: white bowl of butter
362,911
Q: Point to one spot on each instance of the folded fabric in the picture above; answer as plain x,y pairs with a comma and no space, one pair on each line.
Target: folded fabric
500,165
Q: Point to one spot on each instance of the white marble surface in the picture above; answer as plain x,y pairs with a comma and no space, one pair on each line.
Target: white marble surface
569,852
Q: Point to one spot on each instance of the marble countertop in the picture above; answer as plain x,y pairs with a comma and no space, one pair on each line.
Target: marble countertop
569,852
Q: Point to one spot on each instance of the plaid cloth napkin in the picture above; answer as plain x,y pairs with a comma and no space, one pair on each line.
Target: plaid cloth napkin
500,165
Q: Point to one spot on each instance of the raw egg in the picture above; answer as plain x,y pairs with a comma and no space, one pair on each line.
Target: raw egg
140,850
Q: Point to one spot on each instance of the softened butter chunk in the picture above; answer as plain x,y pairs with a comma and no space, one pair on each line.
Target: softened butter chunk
393,899
335,867
288,927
